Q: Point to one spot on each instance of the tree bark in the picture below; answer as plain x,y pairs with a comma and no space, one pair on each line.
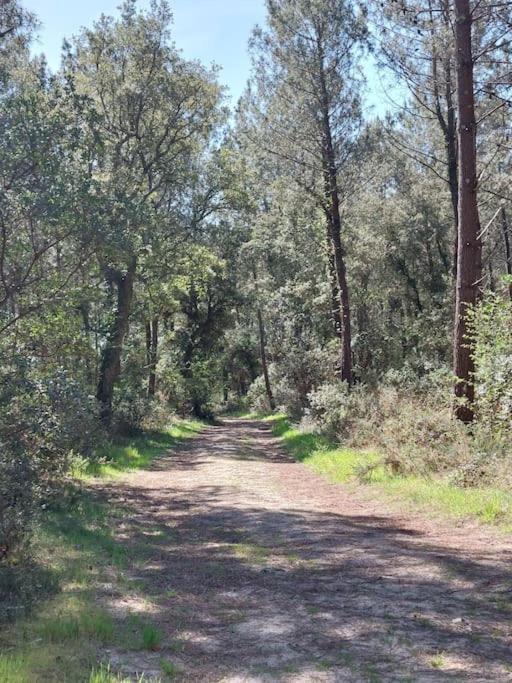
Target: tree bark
334,225
469,253
333,282
147,327
508,251
152,356
264,364
110,366
453,181
448,125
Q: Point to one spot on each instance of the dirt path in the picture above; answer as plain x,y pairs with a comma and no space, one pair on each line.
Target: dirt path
255,569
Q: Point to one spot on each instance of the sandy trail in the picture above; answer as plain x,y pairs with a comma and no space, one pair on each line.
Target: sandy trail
256,569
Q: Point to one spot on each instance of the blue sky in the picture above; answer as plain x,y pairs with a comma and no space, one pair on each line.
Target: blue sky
209,30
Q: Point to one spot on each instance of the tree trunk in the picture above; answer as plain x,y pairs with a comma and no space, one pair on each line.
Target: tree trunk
346,327
469,255
447,122
450,140
508,252
492,280
332,196
264,364
110,366
147,327
153,356
333,282
453,181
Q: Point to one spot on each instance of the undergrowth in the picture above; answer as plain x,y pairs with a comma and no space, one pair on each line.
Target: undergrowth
434,492
75,554
137,452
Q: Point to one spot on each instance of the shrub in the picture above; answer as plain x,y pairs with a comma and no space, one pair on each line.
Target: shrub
43,423
131,410
418,435
491,325
257,395
329,408
293,378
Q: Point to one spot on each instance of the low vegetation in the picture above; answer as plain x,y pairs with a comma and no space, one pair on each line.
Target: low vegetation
435,492
54,627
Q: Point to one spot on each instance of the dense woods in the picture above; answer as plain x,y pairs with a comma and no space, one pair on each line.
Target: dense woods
161,254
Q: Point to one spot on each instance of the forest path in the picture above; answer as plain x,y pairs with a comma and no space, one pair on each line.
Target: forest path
256,569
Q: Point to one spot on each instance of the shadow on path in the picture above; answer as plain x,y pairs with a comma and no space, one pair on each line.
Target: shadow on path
256,569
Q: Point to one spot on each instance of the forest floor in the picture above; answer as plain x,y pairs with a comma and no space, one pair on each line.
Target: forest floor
261,570
242,565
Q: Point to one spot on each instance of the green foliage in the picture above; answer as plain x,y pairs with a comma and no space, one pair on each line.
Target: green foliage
491,323
339,464
170,669
129,454
94,624
329,408
44,422
151,637
150,261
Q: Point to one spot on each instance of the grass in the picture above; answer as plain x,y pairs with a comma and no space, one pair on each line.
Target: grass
437,662
251,552
61,638
340,465
151,638
138,452
105,675
62,627
170,669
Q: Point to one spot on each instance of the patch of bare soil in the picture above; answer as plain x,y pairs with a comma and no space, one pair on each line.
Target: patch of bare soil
255,569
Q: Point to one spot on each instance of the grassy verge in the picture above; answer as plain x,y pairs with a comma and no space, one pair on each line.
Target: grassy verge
78,555
338,464
138,452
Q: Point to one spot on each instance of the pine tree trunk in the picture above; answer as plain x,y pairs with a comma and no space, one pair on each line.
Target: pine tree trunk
453,181
451,157
508,251
147,327
110,366
153,357
333,282
333,200
264,364
469,257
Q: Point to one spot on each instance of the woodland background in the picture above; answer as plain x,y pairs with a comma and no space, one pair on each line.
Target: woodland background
162,255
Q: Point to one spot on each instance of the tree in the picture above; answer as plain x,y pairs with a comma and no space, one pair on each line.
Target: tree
415,40
469,261
151,112
44,239
308,112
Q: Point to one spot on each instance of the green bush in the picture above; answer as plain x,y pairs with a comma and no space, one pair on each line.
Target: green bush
415,432
329,408
491,327
44,422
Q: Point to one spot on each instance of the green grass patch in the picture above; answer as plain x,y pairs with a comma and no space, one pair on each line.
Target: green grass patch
138,452
60,638
322,455
489,505
251,552
151,637
170,669
105,675
87,623
338,464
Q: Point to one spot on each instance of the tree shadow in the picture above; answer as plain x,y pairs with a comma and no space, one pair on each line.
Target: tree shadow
298,588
